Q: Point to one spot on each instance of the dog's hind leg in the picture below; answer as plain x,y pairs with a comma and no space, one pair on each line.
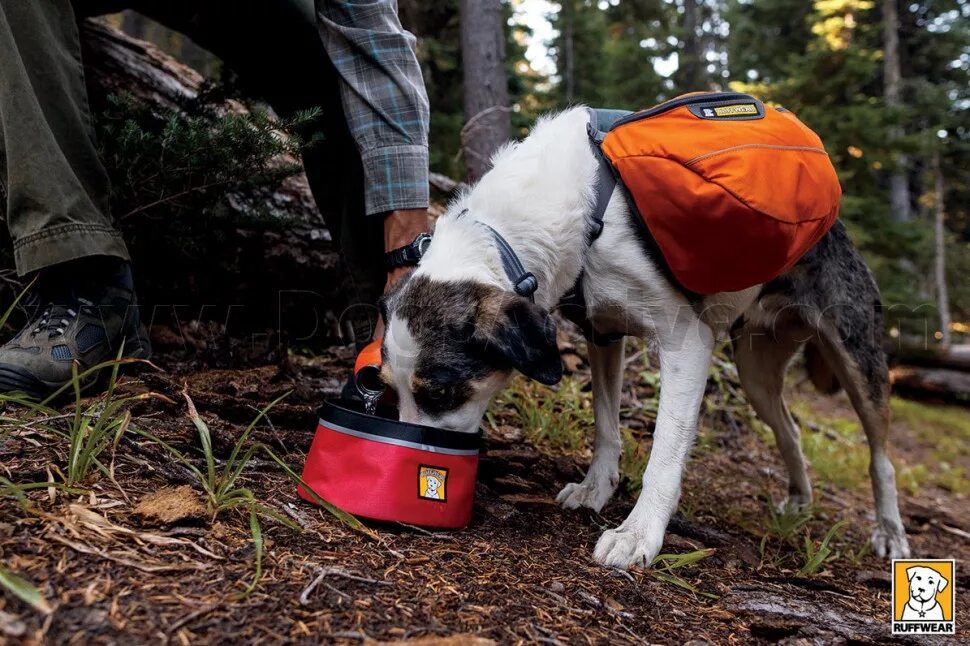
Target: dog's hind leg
685,359
606,364
762,357
860,366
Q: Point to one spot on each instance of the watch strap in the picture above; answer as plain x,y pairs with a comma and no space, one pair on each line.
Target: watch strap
406,256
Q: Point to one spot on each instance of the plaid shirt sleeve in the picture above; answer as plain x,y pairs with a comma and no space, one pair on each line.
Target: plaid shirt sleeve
383,96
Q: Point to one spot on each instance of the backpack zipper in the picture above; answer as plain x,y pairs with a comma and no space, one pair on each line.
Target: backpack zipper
666,106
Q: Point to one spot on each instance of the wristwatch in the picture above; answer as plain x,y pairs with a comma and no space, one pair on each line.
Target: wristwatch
408,255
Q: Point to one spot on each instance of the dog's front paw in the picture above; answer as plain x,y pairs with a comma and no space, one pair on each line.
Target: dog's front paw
592,492
623,548
890,542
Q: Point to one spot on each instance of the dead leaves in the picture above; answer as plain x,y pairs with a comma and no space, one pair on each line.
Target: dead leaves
88,532
171,505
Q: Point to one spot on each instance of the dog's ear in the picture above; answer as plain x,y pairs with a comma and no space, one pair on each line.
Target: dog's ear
524,336
941,584
911,572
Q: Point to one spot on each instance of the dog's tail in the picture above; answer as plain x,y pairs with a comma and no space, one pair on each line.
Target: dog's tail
819,371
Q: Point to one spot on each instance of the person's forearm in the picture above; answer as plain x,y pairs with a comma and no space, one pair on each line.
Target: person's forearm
384,100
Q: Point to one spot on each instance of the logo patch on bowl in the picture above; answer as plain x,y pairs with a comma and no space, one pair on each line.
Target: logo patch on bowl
432,483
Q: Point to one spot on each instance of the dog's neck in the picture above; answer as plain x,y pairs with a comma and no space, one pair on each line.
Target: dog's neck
538,196
921,606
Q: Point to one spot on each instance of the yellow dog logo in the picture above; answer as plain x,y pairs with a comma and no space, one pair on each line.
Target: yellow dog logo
924,597
432,483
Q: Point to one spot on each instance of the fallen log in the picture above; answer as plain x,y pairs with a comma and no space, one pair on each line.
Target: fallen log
956,357
251,274
937,384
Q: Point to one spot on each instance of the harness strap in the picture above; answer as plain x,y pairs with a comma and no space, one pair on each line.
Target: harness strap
605,179
573,304
524,283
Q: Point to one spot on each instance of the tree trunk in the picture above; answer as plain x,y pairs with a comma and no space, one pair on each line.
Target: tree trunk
898,181
939,212
691,69
486,86
568,50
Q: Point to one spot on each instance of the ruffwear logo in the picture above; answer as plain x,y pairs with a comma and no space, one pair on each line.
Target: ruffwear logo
432,483
924,597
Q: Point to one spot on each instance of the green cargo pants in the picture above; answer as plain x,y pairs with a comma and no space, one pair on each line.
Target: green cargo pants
55,185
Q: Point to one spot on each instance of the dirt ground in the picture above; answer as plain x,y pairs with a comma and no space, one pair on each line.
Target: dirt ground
522,573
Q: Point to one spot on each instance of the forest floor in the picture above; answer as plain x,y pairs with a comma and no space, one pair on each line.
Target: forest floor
111,570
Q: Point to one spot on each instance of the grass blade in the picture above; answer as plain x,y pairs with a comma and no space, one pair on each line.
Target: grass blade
24,590
257,531
349,520
205,437
231,462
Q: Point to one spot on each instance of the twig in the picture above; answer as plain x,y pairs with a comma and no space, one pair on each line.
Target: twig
472,123
421,530
150,568
443,183
956,531
623,573
174,197
192,616
340,593
334,571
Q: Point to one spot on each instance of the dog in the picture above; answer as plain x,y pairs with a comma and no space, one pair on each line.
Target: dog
456,331
432,491
924,584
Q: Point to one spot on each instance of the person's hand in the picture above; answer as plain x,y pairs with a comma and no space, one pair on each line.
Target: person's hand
401,227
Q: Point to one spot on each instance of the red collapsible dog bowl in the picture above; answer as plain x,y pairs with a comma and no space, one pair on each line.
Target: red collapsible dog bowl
376,467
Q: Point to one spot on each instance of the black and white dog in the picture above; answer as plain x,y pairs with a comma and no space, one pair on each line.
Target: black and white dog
456,330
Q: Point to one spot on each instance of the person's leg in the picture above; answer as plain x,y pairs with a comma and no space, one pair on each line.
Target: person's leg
84,307
56,187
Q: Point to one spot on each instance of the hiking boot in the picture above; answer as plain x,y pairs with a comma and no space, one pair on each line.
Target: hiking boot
83,310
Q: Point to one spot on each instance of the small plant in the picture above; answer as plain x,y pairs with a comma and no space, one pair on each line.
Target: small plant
186,161
221,485
784,523
664,568
559,417
815,555
633,462
95,429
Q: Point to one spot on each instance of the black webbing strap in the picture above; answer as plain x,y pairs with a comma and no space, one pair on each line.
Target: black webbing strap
524,283
605,179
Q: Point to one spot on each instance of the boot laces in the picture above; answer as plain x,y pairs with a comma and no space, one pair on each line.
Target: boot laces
55,318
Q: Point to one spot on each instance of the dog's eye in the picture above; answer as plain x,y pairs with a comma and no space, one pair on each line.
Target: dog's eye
919,578
437,394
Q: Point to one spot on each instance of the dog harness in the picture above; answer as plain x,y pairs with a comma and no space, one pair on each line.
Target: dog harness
731,191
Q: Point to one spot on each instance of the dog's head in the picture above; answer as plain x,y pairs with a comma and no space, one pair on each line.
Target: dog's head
924,583
450,345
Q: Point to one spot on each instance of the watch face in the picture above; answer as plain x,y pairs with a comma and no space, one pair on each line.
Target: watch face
421,243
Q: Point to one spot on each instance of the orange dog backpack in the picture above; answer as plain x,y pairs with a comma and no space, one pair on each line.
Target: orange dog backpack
734,192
